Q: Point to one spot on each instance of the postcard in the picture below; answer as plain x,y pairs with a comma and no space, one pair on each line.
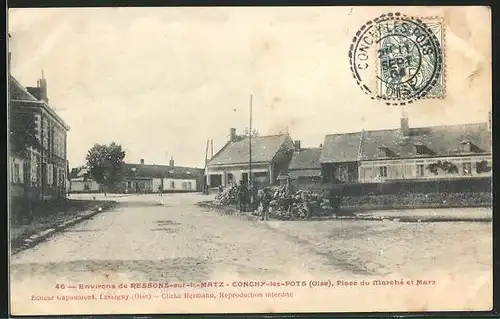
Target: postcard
249,159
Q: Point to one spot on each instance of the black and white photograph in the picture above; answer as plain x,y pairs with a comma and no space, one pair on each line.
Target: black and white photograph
168,160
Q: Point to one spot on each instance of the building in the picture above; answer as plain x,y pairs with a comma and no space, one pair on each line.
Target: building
42,173
270,155
144,178
425,153
304,169
82,182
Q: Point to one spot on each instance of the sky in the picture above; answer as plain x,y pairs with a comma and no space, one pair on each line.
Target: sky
161,81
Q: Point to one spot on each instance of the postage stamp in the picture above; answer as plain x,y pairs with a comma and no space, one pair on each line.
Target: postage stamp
399,59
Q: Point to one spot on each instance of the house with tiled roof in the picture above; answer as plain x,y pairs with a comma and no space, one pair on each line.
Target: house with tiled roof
154,178
304,169
271,155
42,173
81,181
405,153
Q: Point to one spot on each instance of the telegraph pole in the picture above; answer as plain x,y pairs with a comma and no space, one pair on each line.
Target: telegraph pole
250,145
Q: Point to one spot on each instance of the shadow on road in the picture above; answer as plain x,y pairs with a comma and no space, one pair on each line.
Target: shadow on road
181,269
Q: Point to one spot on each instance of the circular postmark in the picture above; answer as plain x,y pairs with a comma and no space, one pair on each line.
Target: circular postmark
396,58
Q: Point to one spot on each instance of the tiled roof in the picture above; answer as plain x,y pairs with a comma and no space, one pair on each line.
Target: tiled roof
18,92
340,148
21,94
264,148
161,171
77,172
306,158
82,172
441,140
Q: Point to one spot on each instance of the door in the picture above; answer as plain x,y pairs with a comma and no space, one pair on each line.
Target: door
244,177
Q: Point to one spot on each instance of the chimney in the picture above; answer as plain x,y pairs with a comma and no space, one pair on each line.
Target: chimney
142,161
296,144
232,134
172,162
42,88
404,125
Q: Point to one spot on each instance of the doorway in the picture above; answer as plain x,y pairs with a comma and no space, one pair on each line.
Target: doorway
244,177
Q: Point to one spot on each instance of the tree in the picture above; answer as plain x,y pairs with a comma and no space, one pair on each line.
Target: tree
23,130
105,163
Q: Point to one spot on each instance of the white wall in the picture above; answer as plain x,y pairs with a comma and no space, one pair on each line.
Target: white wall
236,170
407,168
156,184
178,185
79,186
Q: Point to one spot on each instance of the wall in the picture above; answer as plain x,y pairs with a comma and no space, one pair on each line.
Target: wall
467,185
47,169
138,185
237,172
179,185
370,171
340,172
16,170
79,186
16,174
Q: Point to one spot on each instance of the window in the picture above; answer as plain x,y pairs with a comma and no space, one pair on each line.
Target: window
466,147
56,177
17,176
383,171
184,185
129,184
50,174
420,170
172,184
467,169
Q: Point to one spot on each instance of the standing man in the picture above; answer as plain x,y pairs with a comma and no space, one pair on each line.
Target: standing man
253,198
242,196
265,201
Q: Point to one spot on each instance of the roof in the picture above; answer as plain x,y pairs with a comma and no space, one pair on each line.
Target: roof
264,148
441,140
340,148
77,172
18,93
306,158
161,171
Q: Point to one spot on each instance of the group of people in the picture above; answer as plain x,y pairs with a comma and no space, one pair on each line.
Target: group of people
251,198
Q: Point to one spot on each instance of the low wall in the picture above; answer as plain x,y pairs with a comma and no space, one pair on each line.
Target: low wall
462,185
409,201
